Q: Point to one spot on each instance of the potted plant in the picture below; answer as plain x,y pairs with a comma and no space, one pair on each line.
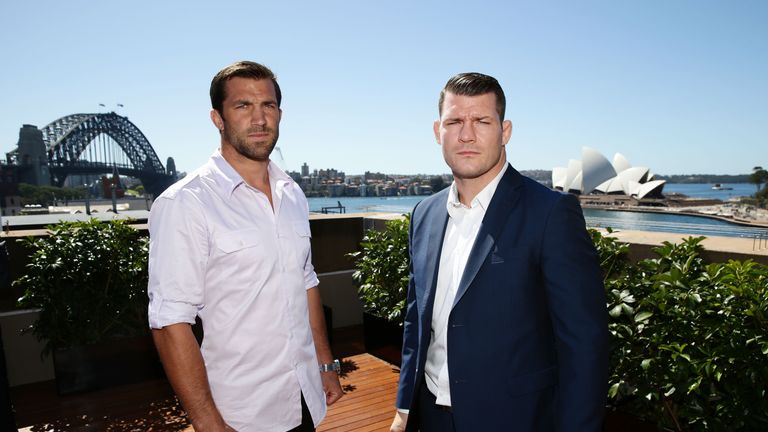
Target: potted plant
88,280
382,271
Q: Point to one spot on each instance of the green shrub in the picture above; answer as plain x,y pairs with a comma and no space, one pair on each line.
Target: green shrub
690,339
89,280
382,270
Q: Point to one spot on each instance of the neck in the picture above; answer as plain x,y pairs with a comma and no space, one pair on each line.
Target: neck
468,188
254,173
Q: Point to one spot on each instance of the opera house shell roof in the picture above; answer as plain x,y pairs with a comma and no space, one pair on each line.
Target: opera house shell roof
594,173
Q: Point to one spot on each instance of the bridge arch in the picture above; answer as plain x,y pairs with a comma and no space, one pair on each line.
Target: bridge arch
67,138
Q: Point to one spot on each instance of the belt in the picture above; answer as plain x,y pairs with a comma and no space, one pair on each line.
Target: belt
445,408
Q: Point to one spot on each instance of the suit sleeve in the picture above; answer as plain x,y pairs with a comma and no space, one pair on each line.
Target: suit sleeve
576,297
409,364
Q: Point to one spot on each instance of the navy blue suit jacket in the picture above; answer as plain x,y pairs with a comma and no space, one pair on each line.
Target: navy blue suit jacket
528,332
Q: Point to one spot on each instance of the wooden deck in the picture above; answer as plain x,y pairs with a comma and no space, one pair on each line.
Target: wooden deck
368,405
370,385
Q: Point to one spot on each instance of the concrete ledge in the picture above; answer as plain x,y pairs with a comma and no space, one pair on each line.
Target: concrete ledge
716,249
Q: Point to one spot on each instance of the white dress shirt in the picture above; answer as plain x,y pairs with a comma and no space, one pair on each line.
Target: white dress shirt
220,251
460,234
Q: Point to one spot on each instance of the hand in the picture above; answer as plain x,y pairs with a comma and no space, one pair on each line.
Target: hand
220,427
398,424
331,387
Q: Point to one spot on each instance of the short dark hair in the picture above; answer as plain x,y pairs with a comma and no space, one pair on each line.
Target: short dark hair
474,84
242,69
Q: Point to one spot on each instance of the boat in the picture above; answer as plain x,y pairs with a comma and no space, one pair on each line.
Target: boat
718,187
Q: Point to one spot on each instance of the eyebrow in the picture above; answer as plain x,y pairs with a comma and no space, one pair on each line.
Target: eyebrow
461,118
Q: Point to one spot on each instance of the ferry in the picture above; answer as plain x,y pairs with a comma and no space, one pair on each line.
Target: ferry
718,187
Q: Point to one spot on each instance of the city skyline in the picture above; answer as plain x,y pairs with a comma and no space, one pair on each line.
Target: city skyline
677,87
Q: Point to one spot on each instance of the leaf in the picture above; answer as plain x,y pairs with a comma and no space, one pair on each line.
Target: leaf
615,312
643,316
694,386
613,390
645,364
627,309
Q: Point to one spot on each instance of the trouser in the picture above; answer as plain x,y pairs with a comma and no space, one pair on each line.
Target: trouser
307,425
433,417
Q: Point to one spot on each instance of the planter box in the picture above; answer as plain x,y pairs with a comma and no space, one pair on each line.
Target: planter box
383,339
116,362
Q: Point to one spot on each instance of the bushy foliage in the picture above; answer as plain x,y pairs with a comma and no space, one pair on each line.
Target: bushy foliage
690,339
89,280
44,195
382,270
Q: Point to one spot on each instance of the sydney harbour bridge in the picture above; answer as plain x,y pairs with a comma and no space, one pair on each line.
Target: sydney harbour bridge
89,144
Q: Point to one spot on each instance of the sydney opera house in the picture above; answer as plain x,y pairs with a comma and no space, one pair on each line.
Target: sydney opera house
595,174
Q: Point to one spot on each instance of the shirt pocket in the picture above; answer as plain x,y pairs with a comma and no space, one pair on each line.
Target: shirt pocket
241,264
243,257
296,238
235,241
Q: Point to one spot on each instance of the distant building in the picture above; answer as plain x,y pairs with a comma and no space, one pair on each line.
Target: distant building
595,174
10,199
305,170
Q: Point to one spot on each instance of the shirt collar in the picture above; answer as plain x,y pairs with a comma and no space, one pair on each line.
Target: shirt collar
227,179
483,199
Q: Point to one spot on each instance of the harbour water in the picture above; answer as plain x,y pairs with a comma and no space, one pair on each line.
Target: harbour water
704,190
619,220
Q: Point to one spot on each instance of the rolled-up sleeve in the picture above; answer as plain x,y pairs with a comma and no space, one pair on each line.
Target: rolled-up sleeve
178,255
310,277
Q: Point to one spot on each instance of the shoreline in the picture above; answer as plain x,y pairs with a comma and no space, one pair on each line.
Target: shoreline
723,212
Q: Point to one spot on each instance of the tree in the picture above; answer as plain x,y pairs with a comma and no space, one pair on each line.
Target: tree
758,177
437,183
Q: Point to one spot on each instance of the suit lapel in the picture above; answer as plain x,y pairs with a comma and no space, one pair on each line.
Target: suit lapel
438,221
496,217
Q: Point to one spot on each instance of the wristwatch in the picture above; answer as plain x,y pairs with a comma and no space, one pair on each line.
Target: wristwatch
328,367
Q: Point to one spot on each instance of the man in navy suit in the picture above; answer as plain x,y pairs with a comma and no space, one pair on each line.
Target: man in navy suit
506,327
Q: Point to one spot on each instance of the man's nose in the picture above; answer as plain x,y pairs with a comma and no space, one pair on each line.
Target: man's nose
467,132
258,117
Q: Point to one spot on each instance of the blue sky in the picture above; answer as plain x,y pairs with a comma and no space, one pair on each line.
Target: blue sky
678,86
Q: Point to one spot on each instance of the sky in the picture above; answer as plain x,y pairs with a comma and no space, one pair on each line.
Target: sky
678,86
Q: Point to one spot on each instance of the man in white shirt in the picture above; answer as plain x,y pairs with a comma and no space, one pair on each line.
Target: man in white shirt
230,243
506,327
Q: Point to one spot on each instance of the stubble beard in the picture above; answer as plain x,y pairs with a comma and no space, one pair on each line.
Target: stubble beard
257,151
463,171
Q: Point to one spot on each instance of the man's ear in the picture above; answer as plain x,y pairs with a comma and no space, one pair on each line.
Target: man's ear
506,131
436,127
217,120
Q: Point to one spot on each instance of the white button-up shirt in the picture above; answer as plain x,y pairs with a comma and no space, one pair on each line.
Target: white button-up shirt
220,251
460,234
